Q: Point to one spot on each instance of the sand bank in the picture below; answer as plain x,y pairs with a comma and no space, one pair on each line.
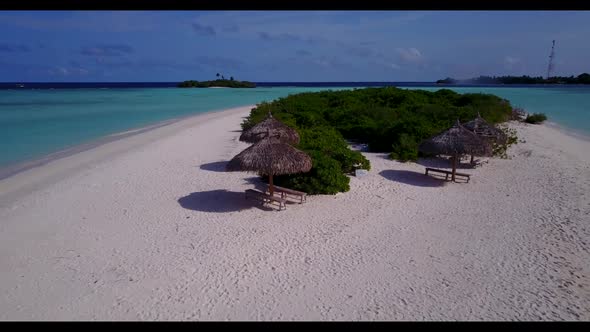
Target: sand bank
150,227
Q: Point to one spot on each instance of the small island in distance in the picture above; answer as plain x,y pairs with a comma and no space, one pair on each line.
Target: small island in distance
580,79
218,83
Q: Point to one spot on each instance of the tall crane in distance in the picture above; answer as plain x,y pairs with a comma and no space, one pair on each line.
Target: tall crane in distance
551,56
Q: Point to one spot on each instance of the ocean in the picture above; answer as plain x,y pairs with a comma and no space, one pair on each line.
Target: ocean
45,118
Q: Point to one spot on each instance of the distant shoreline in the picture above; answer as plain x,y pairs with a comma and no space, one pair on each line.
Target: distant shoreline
513,84
582,79
11,86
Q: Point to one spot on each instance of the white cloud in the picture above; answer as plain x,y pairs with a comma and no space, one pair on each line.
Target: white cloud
509,60
325,61
64,71
330,27
411,54
514,65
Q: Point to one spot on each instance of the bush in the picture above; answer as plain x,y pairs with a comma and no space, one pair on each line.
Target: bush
331,160
406,148
518,114
499,150
535,118
325,177
330,142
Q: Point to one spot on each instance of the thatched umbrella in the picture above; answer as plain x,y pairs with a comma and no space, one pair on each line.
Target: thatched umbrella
271,156
272,125
486,131
454,142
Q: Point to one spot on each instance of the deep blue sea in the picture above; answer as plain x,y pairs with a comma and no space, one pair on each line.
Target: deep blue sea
41,118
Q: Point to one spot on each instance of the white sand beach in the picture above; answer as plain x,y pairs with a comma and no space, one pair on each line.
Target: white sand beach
150,227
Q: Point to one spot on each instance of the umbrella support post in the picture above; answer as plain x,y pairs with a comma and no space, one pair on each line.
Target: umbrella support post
271,189
454,167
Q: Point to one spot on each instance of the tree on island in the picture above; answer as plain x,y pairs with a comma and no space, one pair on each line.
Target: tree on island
217,75
223,82
584,78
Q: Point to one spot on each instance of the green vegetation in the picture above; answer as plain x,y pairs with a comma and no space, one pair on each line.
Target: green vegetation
389,119
325,177
580,79
518,114
535,118
217,83
221,81
405,149
499,150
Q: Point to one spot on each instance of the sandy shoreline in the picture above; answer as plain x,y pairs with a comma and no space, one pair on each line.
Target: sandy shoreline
10,170
149,227
84,154
578,134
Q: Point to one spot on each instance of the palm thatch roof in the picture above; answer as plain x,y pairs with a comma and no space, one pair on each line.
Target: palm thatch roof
271,156
456,141
272,125
485,130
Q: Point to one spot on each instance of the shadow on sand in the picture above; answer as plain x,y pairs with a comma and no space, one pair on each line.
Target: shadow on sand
218,201
257,182
411,178
218,166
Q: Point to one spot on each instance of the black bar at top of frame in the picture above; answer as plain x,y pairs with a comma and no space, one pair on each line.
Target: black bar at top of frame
293,5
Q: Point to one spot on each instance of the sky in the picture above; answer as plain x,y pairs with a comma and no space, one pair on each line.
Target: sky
288,46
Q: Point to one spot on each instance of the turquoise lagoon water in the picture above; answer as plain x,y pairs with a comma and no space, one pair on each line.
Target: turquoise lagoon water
567,107
34,123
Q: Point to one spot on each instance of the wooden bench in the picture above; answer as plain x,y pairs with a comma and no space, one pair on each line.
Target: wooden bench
265,198
447,173
286,191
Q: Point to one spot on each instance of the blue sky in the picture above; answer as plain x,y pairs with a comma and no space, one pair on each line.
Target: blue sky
87,46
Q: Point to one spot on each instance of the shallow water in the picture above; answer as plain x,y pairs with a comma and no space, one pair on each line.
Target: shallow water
34,123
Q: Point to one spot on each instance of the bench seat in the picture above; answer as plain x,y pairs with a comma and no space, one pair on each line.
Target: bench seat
265,198
286,191
447,173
